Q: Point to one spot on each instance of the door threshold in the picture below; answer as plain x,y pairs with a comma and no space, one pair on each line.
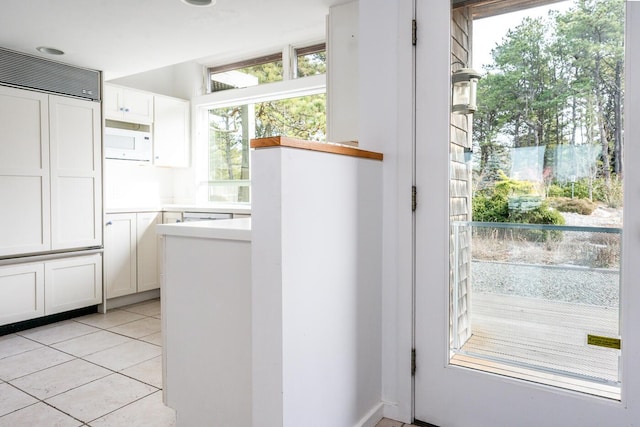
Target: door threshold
507,369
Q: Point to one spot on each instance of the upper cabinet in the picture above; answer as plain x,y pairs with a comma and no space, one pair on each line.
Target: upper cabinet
170,132
168,116
127,105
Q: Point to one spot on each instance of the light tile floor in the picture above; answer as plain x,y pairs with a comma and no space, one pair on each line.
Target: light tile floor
96,370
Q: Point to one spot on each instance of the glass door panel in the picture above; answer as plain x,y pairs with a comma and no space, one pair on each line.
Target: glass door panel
525,312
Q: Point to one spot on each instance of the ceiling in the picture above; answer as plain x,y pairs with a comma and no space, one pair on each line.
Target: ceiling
124,37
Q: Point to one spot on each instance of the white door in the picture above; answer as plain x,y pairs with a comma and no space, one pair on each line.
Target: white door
24,172
448,395
170,132
72,283
22,287
76,177
120,254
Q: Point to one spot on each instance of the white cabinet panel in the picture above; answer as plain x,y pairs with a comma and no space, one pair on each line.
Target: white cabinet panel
74,213
75,140
147,250
23,130
127,105
111,102
138,106
72,283
24,215
120,254
171,132
24,172
22,290
131,250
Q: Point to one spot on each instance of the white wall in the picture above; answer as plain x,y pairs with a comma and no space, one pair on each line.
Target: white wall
386,125
342,73
132,185
184,80
316,233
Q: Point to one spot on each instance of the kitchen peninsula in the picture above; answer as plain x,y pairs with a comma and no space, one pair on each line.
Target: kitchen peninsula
269,319
206,321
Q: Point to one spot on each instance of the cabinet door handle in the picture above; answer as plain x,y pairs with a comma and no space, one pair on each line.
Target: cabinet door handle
109,223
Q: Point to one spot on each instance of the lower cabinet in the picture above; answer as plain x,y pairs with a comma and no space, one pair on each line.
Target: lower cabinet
37,289
131,253
147,250
22,290
72,283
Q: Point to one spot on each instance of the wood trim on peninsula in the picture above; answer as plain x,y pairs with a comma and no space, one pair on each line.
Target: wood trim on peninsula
326,147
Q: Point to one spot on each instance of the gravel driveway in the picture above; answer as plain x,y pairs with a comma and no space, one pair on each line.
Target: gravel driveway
559,283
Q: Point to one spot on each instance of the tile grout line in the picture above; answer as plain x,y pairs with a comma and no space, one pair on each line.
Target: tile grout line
100,328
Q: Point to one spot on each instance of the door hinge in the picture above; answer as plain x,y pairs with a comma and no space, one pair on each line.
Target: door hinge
413,362
414,198
414,32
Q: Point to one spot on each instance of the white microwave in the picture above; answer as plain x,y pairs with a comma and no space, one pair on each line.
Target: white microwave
127,144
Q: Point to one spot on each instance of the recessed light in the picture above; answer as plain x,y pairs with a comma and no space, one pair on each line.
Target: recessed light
199,3
49,50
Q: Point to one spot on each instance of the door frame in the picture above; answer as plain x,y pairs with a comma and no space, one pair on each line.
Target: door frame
447,395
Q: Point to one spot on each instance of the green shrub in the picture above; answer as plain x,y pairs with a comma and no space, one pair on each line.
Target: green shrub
609,192
492,205
577,190
555,190
580,206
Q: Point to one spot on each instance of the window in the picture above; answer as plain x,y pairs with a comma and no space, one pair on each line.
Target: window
306,61
229,117
231,129
311,60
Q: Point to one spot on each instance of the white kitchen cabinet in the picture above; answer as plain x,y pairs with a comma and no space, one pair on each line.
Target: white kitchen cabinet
37,289
131,253
171,217
127,105
76,176
148,243
22,290
24,172
171,132
120,254
50,172
72,283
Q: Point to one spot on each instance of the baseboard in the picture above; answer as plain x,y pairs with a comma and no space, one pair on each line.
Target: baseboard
129,299
372,417
45,320
393,411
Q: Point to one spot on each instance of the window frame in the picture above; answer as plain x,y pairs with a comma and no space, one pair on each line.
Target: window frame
288,56
288,88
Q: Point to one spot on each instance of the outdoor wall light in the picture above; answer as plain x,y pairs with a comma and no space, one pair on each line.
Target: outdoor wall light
464,83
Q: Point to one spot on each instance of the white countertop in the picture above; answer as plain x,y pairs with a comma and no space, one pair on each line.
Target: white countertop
210,208
225,229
